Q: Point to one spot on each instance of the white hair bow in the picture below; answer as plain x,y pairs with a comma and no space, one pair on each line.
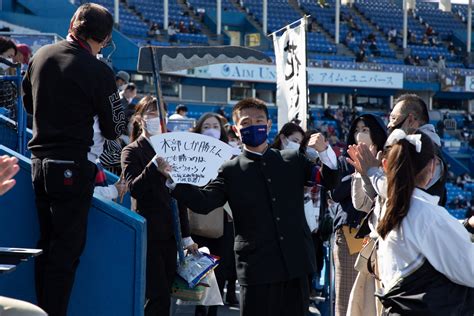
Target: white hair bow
399,134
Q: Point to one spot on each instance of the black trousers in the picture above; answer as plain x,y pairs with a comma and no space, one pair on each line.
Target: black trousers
63,190
160,273
289,298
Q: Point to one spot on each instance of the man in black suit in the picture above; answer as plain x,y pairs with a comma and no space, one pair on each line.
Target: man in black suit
264,188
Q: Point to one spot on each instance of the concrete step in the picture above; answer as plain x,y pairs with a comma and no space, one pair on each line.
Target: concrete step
376,31
342,49
214,40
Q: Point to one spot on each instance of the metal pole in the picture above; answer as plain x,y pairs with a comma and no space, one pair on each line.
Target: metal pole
20,115
338,13
265,17
177,230
469,26
219,17
165,14
405,24
161,111
116,12
159,95
305,19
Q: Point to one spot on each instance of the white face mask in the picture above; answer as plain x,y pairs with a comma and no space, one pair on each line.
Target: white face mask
364,138
212,132
291,145
234,144
437,173
153,126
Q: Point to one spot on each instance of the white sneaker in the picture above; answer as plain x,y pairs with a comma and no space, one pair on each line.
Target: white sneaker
313,311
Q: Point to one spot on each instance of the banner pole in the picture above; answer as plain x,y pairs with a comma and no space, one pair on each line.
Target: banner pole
159,95
306,70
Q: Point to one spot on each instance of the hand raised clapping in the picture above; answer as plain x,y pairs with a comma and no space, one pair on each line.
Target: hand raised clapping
362,158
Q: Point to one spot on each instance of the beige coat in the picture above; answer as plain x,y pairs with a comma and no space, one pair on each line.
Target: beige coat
362,301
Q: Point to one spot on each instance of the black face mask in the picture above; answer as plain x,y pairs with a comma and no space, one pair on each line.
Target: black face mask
399,125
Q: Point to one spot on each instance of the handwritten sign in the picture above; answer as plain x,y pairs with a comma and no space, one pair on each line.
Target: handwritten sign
194,158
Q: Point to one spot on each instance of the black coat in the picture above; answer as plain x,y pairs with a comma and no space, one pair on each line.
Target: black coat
64,88
346,214
150,196
272,240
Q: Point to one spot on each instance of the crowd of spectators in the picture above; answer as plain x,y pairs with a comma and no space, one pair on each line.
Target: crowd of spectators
174,28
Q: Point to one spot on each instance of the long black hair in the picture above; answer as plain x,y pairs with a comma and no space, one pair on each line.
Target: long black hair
286,130
404,170
6,44
378,131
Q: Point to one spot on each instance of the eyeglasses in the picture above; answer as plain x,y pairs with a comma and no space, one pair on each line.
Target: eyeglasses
107,42
104,42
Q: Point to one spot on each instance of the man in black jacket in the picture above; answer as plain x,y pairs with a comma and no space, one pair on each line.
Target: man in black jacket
265,190
66,90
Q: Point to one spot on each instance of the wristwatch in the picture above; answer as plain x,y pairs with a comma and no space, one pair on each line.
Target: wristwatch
468,227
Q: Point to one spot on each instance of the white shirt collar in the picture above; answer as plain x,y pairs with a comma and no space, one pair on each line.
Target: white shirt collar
257,153
254,152
432,199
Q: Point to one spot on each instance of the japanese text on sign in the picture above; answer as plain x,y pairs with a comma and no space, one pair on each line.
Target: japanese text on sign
369,79
290,61
194,158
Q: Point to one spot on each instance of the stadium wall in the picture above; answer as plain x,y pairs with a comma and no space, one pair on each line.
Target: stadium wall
110,279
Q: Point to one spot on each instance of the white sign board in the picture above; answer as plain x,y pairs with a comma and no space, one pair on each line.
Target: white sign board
316,76
194,158
353,78
469,85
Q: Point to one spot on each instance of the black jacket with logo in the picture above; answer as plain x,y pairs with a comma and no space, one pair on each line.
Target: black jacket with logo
64,88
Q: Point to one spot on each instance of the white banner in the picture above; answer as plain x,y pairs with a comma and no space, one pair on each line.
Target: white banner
194,158
355,78
316,76
469,85
445,5
290,60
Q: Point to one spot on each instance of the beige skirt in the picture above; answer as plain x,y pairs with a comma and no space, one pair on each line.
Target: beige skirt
345,274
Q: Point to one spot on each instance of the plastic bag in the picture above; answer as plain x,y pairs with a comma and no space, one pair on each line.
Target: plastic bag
196,266
211,296
312,215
